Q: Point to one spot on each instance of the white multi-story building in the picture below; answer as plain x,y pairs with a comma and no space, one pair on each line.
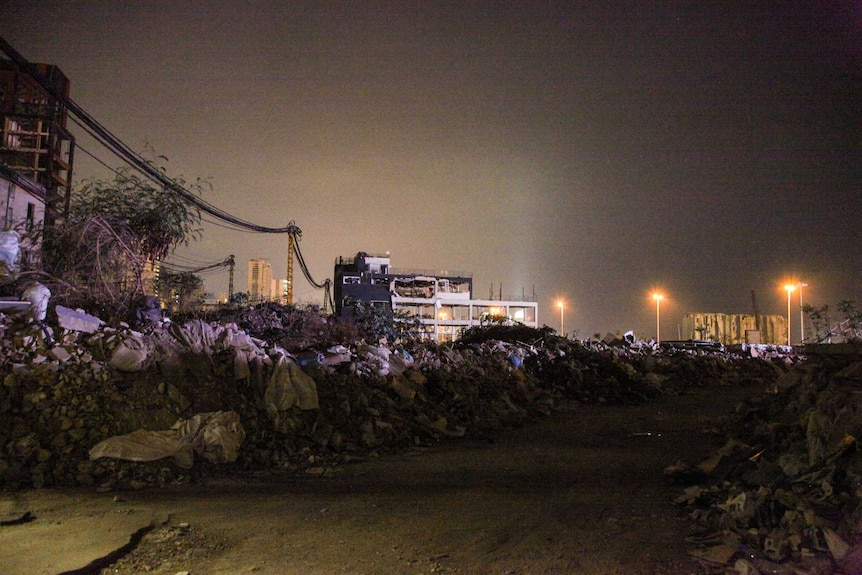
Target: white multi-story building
442,303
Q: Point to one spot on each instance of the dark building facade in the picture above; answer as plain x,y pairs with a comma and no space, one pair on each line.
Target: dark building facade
364,278
34,140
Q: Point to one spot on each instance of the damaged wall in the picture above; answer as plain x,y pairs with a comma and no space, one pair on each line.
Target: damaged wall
729,329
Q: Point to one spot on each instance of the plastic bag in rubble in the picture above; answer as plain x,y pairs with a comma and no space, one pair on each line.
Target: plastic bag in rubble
9,248
399,362
287,387
143,445
130,355
197,335
38,296
215,436
147,310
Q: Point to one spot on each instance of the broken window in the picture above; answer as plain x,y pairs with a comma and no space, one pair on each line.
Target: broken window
522,314
416,287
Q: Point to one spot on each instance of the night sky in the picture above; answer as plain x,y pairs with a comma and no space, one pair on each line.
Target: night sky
590,151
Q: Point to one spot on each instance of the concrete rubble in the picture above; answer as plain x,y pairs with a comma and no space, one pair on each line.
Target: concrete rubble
275,391
302,395
783,495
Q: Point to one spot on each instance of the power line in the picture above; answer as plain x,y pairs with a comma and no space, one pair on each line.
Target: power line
102,135
122,151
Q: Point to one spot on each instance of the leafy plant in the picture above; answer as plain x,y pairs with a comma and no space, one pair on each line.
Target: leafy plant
375,322
240,298
850,328
852,315
818,319
96,257
183,292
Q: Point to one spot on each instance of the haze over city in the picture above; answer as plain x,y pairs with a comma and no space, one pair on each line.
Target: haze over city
589,152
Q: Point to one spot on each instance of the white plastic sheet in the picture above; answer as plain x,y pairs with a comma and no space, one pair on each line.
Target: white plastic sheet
215,436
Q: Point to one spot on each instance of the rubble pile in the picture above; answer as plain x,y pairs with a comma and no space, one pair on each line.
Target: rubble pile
83,403
783,495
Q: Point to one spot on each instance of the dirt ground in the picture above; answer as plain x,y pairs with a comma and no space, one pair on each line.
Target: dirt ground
579,492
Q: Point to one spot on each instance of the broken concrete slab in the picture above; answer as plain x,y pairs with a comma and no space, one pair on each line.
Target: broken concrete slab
77,320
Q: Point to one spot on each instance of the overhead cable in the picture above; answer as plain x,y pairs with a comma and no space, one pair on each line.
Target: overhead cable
121,150
101,134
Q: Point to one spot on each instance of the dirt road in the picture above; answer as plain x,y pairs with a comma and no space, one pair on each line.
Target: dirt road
580,492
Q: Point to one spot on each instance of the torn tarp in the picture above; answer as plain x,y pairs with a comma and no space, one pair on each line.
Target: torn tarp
288,386
215,436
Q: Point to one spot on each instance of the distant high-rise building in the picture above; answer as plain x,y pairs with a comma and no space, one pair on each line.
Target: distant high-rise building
259,280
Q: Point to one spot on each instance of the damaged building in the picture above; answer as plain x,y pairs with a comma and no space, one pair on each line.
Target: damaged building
22,203
442,304
730,329
34,140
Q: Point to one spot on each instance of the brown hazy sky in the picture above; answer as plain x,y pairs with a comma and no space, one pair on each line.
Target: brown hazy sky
592,151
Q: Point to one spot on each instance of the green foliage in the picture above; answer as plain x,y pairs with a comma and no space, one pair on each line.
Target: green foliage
241,297
818,318
853,316
375,322
826,326
183,292
95,257
156,219
509,333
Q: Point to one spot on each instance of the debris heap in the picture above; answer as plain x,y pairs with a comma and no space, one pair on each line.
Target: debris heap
83,403
783,495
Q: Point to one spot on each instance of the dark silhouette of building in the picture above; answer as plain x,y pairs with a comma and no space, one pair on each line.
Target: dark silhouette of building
34,140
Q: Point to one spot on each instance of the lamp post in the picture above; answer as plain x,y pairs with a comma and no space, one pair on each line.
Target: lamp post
789,288
657,297
801,285
562,319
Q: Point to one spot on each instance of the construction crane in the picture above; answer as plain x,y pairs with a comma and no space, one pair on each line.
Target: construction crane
756,313
293,235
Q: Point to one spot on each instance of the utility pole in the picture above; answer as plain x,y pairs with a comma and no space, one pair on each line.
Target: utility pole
231,262
293,236
290,248
801,285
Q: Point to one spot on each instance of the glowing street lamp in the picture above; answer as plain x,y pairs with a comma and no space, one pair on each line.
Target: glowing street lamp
657,297
789,288
562,319
801,285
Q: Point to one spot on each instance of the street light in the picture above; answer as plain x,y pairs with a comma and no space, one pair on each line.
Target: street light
657,297
801,285
789,288
562,319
